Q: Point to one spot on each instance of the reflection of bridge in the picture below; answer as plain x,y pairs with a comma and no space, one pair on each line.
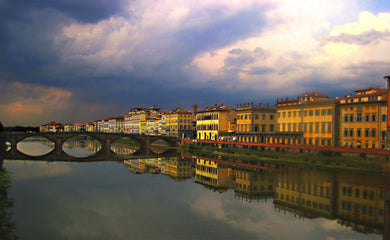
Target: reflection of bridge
105,139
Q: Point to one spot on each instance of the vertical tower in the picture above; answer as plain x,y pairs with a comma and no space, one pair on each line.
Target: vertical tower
388,112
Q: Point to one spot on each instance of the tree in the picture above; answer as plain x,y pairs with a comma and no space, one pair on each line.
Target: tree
1,127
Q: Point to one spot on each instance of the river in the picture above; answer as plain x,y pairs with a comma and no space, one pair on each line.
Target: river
186,198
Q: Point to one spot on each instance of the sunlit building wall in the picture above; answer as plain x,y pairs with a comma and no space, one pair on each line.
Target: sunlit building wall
313,115
363,119
254,123
214,120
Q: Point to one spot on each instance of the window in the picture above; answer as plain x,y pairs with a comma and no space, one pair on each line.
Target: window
329,127
367,117
246,116
317,112
263,127
284,114
271,117
330,112
271,127
317,125
345,118
323,127
383,134
351,132
359,117
366,132
289,114
310,112
373,117
373,132
311,127
256,116
300,114
384,118
294,114
323,112
351,118
359,132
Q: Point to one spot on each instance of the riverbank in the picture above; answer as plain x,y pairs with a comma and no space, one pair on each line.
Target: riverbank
325,160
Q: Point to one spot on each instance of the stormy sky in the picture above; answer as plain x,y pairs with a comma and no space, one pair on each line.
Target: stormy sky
81,60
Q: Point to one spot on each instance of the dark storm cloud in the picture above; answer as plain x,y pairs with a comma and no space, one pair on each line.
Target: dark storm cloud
90,11
221,32
364,38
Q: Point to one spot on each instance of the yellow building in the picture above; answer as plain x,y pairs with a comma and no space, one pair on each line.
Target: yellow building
178,123
255,184
306,193
214,120
313,115
255,123
212,174
363,119
178,168
362,207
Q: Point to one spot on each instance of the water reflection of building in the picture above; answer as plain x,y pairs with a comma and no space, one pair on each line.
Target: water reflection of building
147,165
214,174
121,149
178,168
307,194
255,184
361,207
358,206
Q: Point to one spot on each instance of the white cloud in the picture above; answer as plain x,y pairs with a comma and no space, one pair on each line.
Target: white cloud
302,39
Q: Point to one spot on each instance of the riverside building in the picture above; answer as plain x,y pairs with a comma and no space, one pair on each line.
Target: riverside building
312,115
213,121
363,118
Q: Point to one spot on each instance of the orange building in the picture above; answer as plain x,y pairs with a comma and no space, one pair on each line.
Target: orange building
363,119
255,123
313,115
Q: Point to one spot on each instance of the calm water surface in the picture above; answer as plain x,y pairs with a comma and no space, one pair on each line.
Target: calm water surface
181,198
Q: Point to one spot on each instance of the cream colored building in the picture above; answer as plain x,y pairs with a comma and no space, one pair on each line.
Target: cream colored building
214,120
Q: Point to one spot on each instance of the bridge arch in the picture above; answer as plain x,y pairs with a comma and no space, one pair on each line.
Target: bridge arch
105,139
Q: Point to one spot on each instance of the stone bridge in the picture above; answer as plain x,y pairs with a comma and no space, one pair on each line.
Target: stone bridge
105,139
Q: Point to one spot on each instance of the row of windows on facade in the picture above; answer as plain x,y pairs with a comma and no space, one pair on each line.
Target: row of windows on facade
255,116
303,201
207,169
207,127
181,127
210,116
181,121
317,112
254,128
365,194
359,118
309,189
349,132
262,188
206,180
306,127
360,208
360,108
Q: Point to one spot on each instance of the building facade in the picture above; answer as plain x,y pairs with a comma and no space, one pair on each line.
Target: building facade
213,121
313,115
178,123
363,118
255,123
